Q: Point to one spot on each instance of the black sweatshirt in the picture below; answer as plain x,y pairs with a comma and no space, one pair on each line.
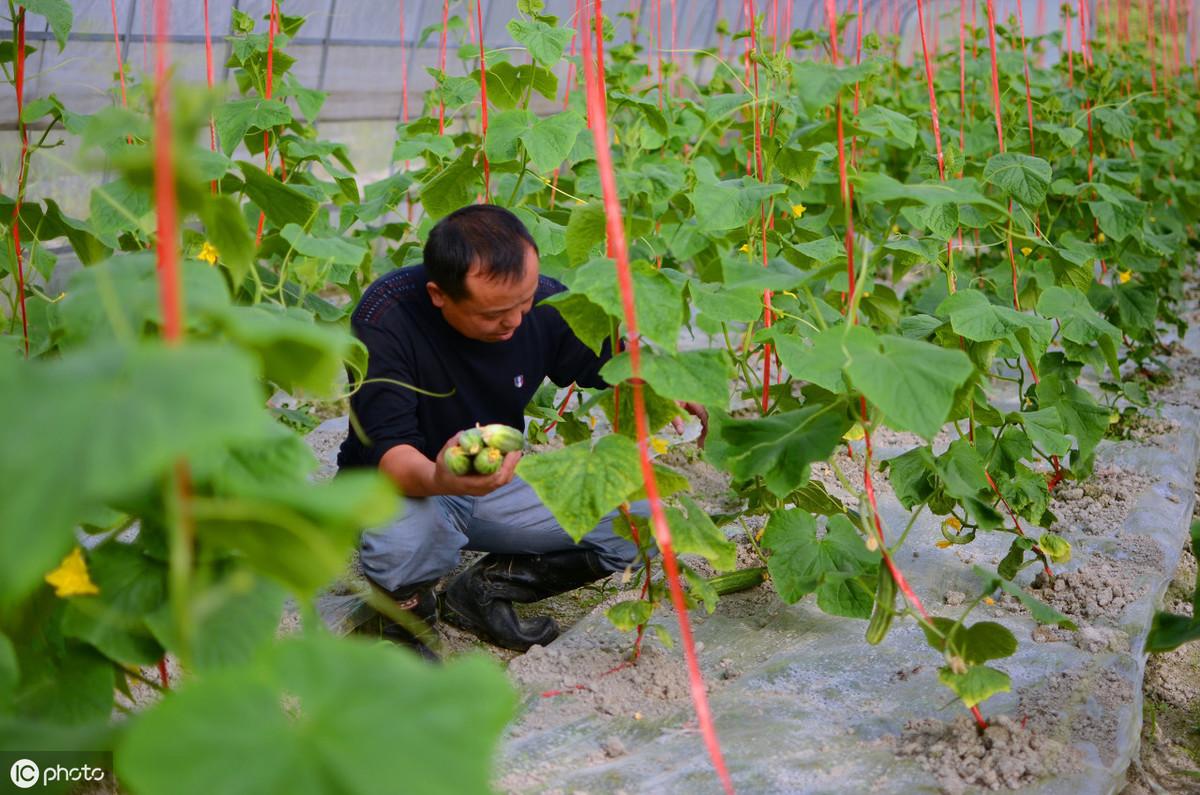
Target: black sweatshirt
409,341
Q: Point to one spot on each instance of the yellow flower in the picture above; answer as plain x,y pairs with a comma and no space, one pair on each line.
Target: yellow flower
895,229
71,577
798,210
943,544
1026,250
987,600
1124,276
952,521
745,248
659,445
855,433
208,253
1100,238
616,138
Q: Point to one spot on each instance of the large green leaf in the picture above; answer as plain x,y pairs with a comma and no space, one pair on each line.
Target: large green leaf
1045,429
282,204
910,381
699,376
1023,177
730,204
1041,612
552,138
323,715
821,359
118,207
235,118
582,482
974,317
58,15
585,229
453,187
132,586
227,231
545,42
780,448
658,300
693,532
504,134
590,323
800,562
110,422
333,248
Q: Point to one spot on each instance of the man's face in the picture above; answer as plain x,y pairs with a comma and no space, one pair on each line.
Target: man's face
492,308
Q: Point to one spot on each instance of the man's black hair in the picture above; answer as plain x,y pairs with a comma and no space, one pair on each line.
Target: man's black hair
479,234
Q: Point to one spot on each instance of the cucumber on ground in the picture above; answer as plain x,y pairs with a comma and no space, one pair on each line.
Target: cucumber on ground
740,580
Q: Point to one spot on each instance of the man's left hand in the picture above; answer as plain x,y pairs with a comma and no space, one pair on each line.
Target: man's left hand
697,411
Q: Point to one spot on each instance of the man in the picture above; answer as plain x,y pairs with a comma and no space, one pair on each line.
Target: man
457,341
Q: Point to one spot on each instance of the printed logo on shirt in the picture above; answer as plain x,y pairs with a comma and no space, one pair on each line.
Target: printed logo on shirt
519,381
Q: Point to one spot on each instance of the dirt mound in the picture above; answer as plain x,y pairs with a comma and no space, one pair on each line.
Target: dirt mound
1099,591
1006,755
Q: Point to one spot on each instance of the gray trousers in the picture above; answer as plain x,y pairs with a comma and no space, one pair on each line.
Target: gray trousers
424,543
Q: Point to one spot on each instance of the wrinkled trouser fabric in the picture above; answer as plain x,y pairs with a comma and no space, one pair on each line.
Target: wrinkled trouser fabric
424,543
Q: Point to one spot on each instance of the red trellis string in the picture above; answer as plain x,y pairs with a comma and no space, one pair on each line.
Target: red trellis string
19,76
442,66
616,234
272,29
483,102
1012,259
117,49
208,64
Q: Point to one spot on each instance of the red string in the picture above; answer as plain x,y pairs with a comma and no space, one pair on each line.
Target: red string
163,675
483,101
1025,59
933,109
208,63
442,65
843,181
164,184
117,49
1150,45
658,48
598,122
271,30
19,75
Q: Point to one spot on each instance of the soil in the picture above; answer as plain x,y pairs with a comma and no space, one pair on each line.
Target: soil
1097,592
1009,754
1100,504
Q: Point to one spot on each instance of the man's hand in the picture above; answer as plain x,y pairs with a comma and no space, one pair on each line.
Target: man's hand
697,411
446,482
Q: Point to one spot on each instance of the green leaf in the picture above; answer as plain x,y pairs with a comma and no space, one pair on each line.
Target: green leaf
800,562
821,359
978,684
910,381
227,231
658,300
1041,612
585,230
282,204
295,353
297,533
1057,548
781,447
591,324
582,482
507,83
629,615
724,304
504,132
913,476
1045,429
58,14
118,207
308,720
896,128
545,43
114,621
850,597
730,204
552,138
235,118
1116,123
700,376
797,165
1023,177
111,422
975,318
693,533
1169,631
336,249
242,618
453,187
974,644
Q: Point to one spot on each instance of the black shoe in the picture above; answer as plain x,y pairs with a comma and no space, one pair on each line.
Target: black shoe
480,600
418,632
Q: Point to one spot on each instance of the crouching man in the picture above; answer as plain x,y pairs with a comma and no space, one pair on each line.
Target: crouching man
467,324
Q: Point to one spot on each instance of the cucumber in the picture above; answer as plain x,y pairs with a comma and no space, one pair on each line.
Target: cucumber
457,460
502,437
885,603
740,580
488,461
471,441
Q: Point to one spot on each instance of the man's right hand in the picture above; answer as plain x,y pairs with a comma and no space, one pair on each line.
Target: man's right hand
446,482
